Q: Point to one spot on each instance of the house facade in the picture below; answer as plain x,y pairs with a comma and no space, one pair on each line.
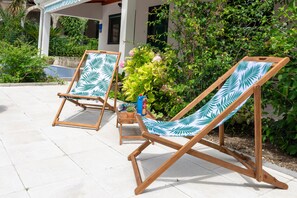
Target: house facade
122,24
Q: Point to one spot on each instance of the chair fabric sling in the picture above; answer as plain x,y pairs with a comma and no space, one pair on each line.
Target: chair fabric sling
94,83
96,75
243,80
245,75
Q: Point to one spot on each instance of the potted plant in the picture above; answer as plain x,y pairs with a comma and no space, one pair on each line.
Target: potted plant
130,111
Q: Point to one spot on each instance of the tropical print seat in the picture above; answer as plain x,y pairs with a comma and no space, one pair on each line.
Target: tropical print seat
244,76
96,75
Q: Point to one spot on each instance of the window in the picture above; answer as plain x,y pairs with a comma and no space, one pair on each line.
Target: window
114,29
157,33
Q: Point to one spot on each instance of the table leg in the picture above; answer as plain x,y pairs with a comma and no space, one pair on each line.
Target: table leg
121,134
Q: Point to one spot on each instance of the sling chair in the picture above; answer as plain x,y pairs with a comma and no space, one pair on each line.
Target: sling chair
235,87
93,84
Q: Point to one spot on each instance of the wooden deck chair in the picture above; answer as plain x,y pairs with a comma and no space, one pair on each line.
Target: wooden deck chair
242,81
94,83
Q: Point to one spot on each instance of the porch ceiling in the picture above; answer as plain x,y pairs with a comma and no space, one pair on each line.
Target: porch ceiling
62,4
104,2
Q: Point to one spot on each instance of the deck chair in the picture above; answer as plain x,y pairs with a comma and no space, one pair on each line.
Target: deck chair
93,84
235,87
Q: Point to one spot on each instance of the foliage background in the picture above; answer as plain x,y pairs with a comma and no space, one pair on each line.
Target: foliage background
20,63
18,45
68,39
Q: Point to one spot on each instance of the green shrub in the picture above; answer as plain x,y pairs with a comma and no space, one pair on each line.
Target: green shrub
68,40
68,46
73,27
20,63
10,26
282,94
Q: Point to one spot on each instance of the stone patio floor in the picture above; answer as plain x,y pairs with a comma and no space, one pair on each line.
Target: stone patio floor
40,161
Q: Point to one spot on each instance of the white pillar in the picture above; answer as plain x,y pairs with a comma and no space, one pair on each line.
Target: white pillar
40,29
45,33
127,27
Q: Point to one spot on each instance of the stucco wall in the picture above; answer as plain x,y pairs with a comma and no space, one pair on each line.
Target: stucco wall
107,10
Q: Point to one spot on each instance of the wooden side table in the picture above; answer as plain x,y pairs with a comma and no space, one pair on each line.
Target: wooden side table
122,118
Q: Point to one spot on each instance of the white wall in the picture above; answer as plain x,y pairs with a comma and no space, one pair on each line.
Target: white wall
107,10
142,7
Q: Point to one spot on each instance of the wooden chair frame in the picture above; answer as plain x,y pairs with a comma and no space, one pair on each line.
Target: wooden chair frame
74,98
252,169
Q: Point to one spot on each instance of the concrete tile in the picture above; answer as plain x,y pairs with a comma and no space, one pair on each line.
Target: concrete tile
108,133
9,180
202,163
73,113
78,144
41,122
15,123
192,179
5,161
33,152
59,132
82,187
180,170
19,194
166,191
290,193
98,159
251,184
277,173
118,180
18,139
48,171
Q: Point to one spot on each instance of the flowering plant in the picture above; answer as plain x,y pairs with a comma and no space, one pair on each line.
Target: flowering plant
146,72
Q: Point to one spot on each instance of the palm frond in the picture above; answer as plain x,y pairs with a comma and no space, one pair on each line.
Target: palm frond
111,59
249,77
89,77
184,130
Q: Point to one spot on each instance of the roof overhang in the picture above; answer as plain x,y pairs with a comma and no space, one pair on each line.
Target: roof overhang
56,5
62,4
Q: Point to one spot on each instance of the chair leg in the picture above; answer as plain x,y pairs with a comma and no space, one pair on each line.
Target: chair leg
221,134
137,151
132,158
100,116
121,133
59,112
258,133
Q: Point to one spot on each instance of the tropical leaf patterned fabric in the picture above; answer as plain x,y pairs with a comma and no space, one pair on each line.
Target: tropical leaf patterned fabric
96,75
245,75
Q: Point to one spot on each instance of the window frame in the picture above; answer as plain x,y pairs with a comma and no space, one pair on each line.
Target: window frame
114,19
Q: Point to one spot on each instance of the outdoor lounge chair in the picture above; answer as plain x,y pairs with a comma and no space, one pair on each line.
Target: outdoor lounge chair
93,84
244,79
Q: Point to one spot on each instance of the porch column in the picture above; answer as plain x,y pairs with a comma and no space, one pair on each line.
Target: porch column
40,30
44,33
127,27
